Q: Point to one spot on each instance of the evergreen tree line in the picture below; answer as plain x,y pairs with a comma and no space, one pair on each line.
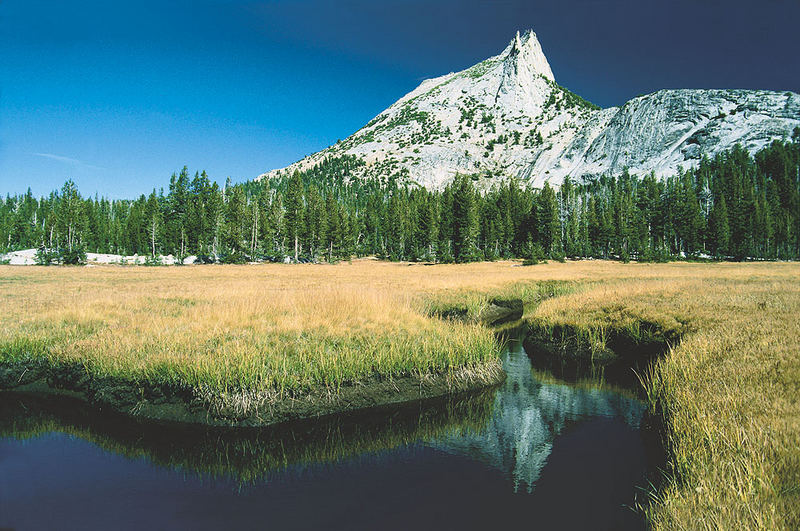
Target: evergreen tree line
733,206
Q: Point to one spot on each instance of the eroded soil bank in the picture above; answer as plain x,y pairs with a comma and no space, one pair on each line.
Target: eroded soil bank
620,356
174,403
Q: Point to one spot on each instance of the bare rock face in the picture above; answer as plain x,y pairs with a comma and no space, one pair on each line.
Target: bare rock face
671,128
506,117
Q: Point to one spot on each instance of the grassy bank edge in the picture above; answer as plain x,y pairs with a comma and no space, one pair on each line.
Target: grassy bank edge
164,395
721,472
243,407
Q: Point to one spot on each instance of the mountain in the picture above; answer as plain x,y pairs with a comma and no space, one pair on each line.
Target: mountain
507,116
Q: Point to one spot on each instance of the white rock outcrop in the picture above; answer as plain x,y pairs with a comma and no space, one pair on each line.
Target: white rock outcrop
507,117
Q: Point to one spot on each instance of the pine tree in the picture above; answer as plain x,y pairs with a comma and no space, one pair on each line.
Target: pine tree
152,214
549,223
236,223
465,221
197,230
214,208
277,223
691,222
394,227
294,216
314,234
333,228
570,217
446,225
71,216
720,228
428,227
177,215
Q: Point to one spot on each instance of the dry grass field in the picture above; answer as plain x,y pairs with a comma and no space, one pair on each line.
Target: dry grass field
271,329
729,391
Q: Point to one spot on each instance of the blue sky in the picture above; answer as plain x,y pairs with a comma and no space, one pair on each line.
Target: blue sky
118,95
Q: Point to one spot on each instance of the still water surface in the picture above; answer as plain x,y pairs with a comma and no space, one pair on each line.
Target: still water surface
536,454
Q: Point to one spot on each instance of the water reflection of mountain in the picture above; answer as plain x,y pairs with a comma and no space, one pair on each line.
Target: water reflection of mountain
529,413
511,429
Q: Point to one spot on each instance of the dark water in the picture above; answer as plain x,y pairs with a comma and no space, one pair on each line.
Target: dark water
535,454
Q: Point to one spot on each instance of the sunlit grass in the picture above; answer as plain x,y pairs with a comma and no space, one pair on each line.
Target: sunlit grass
729,390
225,328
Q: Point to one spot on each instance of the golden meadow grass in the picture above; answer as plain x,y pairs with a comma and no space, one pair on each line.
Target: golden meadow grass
229,328
730,390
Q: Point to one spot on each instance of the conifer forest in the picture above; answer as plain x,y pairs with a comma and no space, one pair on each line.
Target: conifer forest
734,206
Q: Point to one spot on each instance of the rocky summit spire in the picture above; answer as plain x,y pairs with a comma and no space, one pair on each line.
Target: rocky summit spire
525,75
525,57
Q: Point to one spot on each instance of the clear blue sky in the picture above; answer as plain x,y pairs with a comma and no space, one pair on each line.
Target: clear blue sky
117,95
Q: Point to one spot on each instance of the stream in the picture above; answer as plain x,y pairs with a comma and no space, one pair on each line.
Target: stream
535,453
